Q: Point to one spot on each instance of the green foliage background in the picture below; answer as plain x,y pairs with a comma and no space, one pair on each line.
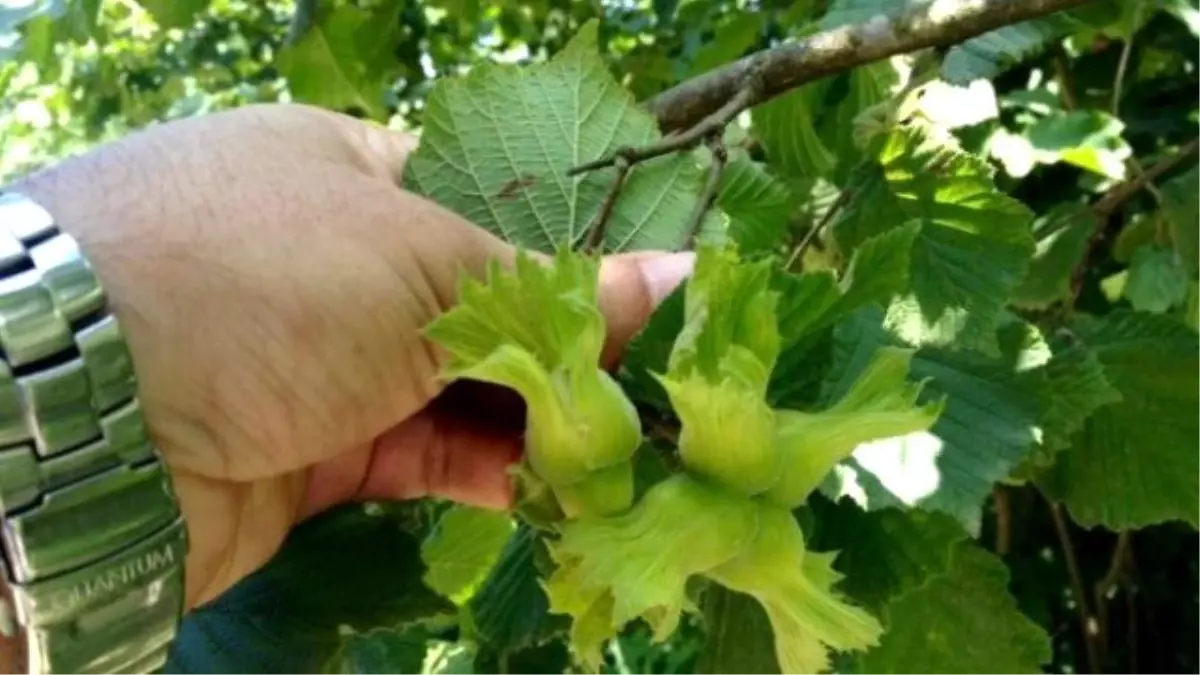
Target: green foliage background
962,208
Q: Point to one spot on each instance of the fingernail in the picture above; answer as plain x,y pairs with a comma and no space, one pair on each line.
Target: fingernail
664,273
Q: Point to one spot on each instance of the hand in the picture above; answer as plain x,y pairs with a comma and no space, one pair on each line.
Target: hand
272,279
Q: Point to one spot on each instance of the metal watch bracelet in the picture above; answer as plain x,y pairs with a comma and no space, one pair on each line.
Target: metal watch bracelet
93,542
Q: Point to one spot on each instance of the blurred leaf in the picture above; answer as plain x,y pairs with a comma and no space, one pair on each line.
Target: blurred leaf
1135,463
785,128
336,63
961,621
974,243
383,650
759,206
551,658
345,567
1187,12
175,13
83,16
461,549
449,658
988,427
1139,230
1062,236
856,118
14,13
877,271
1089,139
39,43
882,553
991,54
1157,281
842,12
738,637
649,351
1181,208
1191,312
734,37
664,10
510,611
1076,384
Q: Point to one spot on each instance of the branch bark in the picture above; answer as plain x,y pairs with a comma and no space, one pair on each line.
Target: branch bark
936,23
1116,197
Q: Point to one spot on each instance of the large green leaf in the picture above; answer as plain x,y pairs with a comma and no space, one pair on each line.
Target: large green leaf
963,620
1062,236
786,128
1135,462
1089,139
498,143
650,350
1157,280
384,650
1075,385
973,248
758,204
813,302
877,271
462,548
344,568
991,54
1181,208
988,426
882,553
510,611
857,114
343,62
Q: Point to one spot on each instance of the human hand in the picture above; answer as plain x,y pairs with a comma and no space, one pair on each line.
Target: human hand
272,278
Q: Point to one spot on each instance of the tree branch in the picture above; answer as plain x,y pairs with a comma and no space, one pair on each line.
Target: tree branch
838,204
1112,200
1109,584
685,140
596,228
934,24
712,186
1087,622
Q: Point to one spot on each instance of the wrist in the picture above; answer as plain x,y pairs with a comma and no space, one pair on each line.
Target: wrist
93,541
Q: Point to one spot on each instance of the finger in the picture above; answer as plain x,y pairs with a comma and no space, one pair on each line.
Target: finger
426,456
632,286
471,453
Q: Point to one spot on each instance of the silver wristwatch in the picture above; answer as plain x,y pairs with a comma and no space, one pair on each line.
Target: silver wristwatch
93,543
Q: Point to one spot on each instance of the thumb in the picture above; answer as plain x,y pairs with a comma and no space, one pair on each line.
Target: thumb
632,286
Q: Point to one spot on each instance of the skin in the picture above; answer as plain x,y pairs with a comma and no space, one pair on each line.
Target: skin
272,277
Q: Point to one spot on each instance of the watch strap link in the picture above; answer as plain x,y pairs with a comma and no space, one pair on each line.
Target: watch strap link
92,543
